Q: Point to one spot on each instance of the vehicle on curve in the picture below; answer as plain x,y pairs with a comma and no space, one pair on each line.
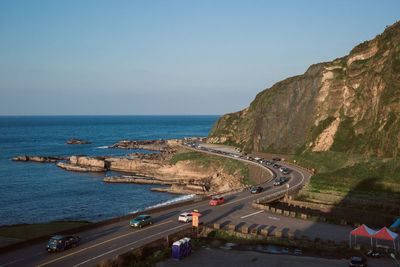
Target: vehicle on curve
185,217
256,189
217,201
277,182
141,220
62,242
284,179
276,166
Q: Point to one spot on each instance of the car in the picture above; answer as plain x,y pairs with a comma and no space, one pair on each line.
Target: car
358,262
256,189
283,179
62,242
286,171
185,217
297,252
141,220
276,159
217,201
276,166
277,182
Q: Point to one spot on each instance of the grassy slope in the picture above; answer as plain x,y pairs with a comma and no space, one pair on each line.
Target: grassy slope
29,231
230,166
351,180
351,173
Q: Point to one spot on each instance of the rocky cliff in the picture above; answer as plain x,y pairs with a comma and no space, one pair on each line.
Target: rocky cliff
351,104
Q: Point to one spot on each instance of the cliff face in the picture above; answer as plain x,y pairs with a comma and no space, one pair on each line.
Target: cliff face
351,104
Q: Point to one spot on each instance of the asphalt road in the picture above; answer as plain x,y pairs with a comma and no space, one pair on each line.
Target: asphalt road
111,240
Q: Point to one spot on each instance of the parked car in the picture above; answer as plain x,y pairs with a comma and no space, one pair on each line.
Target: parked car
285,171
276,166
357,262
277,182
268,162
62,242
217,201
141,220
283,179
256,189
276,159
185,217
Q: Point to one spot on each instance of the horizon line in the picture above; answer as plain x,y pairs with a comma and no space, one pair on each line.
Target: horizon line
70,115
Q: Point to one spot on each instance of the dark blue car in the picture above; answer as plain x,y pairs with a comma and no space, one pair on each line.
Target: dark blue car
62,242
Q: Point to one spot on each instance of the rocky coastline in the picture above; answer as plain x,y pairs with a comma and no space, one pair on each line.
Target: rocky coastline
40,159
75,141
183,177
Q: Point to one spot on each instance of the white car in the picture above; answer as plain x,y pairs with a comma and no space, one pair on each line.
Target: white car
185,217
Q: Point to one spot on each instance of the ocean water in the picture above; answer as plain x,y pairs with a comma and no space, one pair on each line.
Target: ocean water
40,192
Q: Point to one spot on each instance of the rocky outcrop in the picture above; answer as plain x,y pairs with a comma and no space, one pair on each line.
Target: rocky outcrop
74,141
41,159
182,189
154,145
79,168
183,186
85,164
151,156
188,174
350,104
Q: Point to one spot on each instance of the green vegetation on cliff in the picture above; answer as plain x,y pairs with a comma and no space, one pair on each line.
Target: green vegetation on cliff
230,166
360,91
352,180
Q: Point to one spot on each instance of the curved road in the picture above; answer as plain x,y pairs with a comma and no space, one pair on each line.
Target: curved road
114,239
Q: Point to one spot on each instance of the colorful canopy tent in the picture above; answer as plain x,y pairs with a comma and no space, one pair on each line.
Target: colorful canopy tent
395,224
386,234
362,230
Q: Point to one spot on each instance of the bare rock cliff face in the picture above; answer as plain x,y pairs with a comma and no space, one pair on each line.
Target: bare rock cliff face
351,104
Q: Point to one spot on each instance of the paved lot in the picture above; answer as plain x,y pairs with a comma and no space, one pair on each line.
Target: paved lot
218,257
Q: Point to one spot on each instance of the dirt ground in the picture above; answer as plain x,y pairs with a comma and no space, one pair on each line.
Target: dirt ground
218,257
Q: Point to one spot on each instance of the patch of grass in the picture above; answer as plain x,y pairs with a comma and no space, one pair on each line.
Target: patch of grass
322,125
356,176
345,138
230,166
323,161
29,231
158,256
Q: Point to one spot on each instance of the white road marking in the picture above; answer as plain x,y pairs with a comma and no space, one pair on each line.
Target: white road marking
273,218
127,245
251,214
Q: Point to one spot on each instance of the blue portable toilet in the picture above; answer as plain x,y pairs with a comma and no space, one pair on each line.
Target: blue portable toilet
188,244
177,250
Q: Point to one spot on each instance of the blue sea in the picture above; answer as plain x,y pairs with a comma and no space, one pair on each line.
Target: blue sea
41,192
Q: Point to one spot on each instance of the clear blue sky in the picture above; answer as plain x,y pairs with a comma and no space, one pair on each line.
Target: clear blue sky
168,57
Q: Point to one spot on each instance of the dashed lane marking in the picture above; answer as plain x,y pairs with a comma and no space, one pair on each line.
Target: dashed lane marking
101,243
127,245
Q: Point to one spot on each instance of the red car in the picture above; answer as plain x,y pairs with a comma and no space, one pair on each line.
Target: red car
217,201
